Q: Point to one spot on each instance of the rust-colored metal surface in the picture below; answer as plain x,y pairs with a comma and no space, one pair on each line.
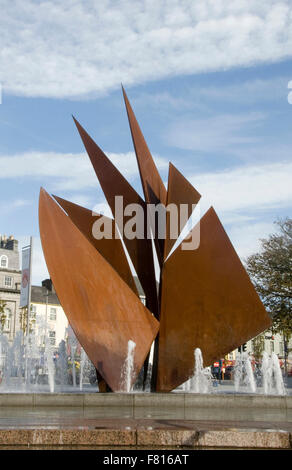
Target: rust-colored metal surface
114,184
208,302
102,310
110,248
206,299
179,191
153,187
147,168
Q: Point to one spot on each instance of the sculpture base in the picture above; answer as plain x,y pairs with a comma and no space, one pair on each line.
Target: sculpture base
174,420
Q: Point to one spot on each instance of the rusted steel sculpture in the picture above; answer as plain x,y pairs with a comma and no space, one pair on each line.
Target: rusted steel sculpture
102,310
114,184
205,298
179,192
110,248
208,297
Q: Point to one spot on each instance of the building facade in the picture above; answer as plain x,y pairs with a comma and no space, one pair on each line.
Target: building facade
10,282
47,317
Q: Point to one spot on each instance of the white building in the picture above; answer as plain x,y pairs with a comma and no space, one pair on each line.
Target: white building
270,343
10,281
47,316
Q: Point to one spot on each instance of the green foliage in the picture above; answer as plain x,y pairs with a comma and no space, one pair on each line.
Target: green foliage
258,346
271,273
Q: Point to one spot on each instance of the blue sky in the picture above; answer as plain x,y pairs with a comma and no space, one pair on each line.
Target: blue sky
208,82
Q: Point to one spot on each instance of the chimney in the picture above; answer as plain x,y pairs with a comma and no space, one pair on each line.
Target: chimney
10,243
47,283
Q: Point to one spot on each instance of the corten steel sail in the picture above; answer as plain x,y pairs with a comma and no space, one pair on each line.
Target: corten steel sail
102,310
206,299
147,168
153,187
114,184
208,302
179,192
110,248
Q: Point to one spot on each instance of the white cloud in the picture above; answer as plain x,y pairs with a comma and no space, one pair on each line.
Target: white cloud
7,206
246,188
201,97
246,238
241,196
66,171
213,134
250,91
74,48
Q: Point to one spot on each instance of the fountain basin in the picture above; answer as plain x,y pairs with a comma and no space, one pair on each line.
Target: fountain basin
152,400
143,420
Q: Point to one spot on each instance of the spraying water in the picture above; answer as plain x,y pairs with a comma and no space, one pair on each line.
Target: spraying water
82,362
266,371
201,381
50,365
244,375
128,367
272,379
280,387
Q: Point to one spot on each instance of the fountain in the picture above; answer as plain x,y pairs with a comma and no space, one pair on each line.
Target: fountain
198,298
244,376
269,377
27,365
128,367
32,364
82,363
201,381
272,379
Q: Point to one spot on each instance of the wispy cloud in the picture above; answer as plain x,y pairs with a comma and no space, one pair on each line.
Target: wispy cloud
70,172
246,188
196,96
69,49
215,133
246,238
7,207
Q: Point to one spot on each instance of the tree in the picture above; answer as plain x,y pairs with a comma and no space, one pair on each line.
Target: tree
271,273
258,346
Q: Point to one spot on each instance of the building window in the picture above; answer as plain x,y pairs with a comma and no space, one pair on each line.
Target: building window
3,261
53,313
33,311
52,337
7,322
8,281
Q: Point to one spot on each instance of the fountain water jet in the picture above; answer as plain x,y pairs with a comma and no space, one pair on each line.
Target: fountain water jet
201,381
82,362
128,367
272,379
244,374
